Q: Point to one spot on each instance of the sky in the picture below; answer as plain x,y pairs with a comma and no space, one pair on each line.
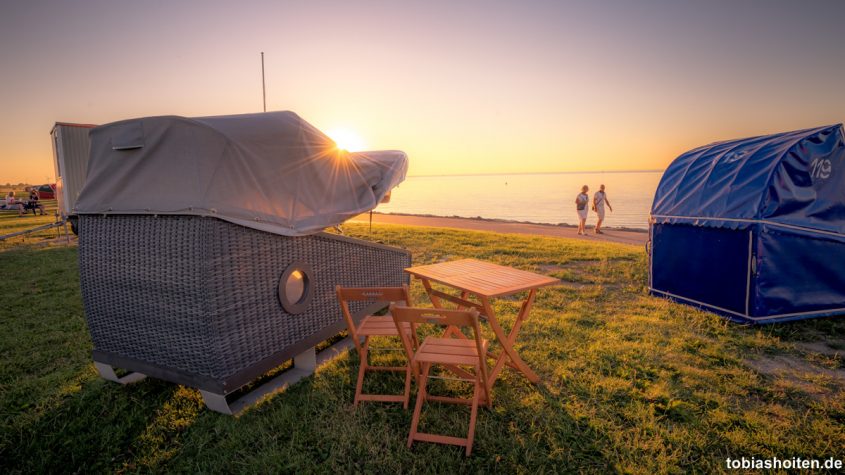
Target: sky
460,86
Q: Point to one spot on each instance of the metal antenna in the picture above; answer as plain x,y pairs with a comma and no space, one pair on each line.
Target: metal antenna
263,88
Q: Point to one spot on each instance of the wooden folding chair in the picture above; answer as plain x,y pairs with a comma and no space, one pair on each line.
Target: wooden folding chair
370,326
461,352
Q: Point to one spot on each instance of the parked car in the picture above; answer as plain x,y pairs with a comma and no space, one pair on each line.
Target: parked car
46,192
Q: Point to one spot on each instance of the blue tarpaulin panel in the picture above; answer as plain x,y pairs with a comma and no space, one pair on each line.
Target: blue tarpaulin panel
702,255
799,274
754,229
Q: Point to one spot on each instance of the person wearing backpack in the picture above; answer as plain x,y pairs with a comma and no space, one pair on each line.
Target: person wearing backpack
581,207
599,200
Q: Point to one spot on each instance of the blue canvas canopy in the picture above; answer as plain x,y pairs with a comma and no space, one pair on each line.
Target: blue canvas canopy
754,229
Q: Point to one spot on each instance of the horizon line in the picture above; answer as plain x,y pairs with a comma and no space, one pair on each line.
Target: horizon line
433,175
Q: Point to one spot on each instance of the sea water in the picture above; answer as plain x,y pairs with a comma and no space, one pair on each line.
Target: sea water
538,198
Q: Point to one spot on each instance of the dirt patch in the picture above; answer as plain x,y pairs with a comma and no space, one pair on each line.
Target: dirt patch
782,364
831,348
800,373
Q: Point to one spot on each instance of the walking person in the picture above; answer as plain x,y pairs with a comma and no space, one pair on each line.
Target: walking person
599,200
581,207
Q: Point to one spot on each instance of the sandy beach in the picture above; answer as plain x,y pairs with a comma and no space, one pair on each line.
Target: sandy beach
626,236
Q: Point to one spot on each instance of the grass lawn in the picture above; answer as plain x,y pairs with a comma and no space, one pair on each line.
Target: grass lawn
630,383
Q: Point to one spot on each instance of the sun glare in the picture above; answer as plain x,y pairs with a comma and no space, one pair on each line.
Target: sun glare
347,140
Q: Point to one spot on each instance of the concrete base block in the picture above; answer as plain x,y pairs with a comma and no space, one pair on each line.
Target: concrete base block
107,372
304,365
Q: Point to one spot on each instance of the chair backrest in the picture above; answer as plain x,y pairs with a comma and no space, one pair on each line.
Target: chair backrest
368,294
374,294
437,316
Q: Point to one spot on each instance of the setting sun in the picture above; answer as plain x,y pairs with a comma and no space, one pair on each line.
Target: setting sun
347,140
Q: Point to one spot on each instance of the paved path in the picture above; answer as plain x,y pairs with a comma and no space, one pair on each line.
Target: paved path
610,235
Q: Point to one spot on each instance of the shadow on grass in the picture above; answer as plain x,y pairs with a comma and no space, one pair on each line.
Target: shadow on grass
314,424
94,429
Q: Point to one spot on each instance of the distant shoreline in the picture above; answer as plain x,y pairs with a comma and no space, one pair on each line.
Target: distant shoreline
634,237
533,173
511,221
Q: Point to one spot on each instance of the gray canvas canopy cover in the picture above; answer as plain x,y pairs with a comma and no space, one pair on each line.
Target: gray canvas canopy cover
269,171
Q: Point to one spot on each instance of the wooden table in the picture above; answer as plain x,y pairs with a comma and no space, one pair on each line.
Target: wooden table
486,281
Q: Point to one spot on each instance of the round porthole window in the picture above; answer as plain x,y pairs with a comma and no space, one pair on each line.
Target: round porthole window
296,287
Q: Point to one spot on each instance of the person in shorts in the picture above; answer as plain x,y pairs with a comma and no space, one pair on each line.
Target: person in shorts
581,202
599,201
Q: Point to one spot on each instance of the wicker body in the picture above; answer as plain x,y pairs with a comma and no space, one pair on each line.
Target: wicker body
194,300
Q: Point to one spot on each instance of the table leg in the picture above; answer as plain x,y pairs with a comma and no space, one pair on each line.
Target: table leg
455,330
507,341
464,295
436,302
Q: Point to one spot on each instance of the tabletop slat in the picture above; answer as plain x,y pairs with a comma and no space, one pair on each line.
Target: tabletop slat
482,278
